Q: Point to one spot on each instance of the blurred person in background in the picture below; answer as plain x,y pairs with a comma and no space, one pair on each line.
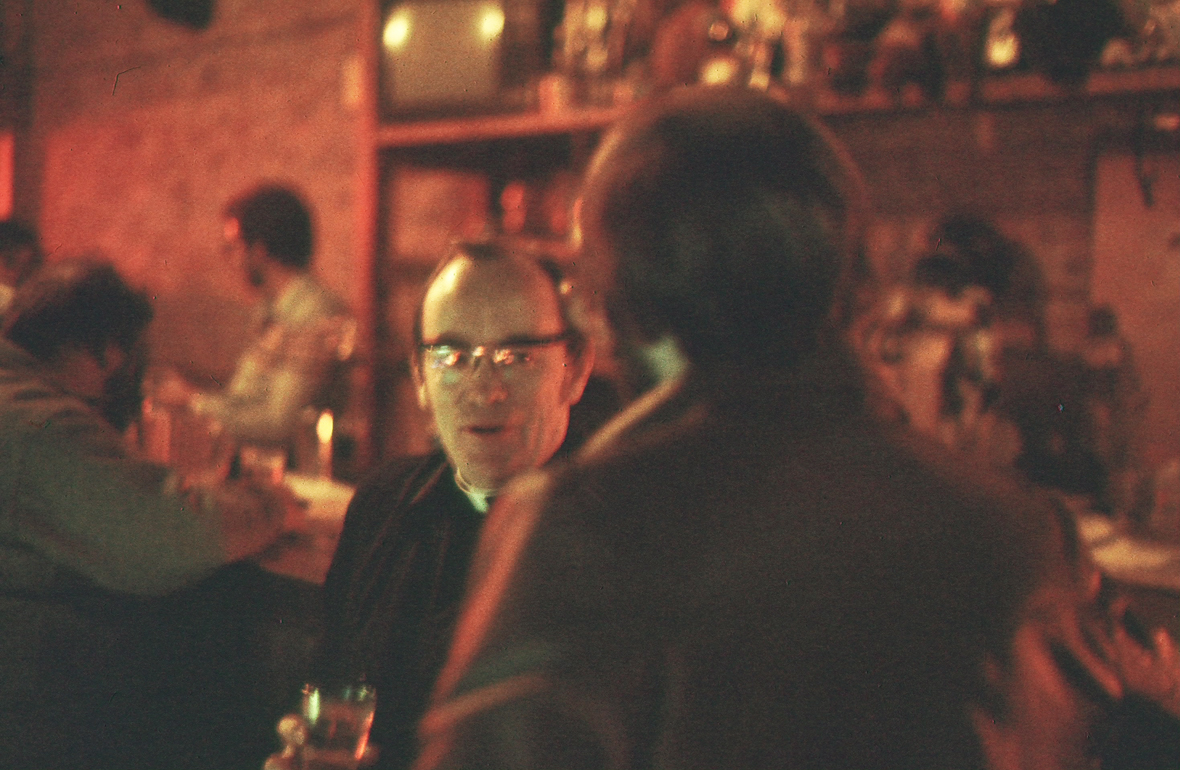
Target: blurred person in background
20,256
962,350
932,345
1001,266
89,533
498,363
1116,403
1003,373
303,334
750,567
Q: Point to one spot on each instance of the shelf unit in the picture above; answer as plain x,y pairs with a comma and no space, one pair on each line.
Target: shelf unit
503,147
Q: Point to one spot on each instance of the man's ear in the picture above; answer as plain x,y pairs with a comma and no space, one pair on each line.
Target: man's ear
419,381
577,372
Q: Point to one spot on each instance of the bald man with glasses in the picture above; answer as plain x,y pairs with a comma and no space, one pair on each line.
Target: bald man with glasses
498,364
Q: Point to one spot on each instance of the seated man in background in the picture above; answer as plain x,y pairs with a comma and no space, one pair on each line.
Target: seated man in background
88,532
750,567
303,332
498,364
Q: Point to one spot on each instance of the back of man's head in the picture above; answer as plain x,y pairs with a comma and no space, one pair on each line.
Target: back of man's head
276,217
732,222
76,303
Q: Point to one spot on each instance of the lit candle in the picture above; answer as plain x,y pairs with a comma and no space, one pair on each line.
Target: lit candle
323,433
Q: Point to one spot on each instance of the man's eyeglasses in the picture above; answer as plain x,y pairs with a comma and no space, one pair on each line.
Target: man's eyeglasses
455,360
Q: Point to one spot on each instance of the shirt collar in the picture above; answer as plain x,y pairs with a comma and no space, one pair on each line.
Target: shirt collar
290,297
481,499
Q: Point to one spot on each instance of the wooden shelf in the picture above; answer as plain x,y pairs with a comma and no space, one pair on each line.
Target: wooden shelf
1000,90
1022,88
1033,87
491,127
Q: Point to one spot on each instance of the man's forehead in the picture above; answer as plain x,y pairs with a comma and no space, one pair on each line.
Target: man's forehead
491,300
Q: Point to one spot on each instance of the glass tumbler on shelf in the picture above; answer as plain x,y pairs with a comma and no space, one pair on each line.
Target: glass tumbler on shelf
592,47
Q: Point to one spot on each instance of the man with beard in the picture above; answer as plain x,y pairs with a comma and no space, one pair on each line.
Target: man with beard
302,335
88,532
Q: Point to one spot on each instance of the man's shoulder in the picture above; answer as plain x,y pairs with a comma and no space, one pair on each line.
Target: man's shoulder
652,419
399,471
399,484
309,302
29,402
678,446
400,502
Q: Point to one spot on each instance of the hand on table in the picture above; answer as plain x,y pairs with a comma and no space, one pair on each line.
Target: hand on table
170,389
255,515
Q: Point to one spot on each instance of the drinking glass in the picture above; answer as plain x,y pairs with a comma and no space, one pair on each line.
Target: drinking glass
338,721
263,465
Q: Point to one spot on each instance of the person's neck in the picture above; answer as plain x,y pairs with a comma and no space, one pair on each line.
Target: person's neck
278,279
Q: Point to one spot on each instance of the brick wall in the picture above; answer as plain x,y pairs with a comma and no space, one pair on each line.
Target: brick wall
145,128
1033,170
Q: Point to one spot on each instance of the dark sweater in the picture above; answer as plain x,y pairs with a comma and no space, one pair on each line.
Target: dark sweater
393,591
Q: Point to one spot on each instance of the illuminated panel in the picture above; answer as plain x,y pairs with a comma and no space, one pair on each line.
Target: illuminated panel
443,52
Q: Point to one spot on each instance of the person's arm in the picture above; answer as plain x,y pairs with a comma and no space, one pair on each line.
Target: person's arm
374,514
82,501
275,380
356,538
249,517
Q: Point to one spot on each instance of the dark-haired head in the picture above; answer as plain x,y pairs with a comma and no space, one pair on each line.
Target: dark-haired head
83,305
1102,322
732,223
989,258
80,303
942,272
276,217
